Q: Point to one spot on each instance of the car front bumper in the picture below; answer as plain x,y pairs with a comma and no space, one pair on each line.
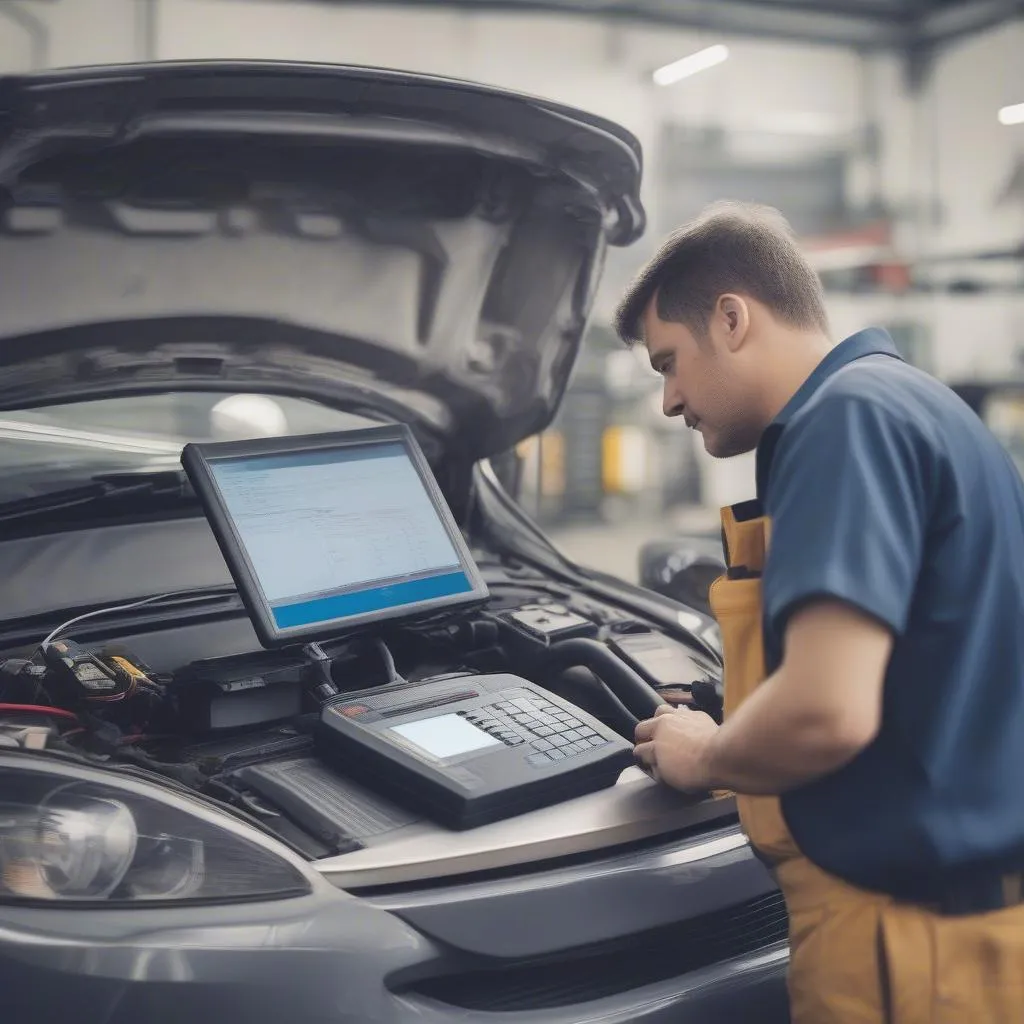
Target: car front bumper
334,958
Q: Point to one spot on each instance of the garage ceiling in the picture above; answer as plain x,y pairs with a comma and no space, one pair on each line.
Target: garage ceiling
908,25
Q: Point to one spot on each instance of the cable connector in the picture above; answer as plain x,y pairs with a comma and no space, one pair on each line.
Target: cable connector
27,737
321,679
389,663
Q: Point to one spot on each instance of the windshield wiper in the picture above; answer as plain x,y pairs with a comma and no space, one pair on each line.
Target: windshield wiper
103,490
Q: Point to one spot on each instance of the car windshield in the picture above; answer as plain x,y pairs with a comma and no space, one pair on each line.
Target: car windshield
50,448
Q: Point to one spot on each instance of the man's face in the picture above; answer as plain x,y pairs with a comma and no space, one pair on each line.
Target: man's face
705,382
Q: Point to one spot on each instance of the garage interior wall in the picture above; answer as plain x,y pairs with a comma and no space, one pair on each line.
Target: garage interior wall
943,162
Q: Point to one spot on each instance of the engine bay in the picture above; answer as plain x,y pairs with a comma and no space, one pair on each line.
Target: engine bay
238,728
369,676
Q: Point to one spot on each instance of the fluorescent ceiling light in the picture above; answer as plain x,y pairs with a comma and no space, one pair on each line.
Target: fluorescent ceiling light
1012,115
699,61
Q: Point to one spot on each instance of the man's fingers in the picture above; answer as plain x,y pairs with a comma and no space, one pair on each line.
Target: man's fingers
645,729
645,753
647,758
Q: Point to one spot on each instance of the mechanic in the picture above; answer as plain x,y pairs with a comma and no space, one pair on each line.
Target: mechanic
871,621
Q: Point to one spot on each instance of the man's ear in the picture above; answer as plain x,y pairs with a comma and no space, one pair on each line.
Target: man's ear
732,320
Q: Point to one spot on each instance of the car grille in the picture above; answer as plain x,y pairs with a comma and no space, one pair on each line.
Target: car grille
608,969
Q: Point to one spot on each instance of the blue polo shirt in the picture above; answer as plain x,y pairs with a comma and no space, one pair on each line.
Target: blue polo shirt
887,492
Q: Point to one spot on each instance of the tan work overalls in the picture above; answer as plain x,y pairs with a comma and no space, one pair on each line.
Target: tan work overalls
857,956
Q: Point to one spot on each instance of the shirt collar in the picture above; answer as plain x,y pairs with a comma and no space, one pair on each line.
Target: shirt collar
870,342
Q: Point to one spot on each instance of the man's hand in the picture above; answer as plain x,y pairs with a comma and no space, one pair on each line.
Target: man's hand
815,714
675,746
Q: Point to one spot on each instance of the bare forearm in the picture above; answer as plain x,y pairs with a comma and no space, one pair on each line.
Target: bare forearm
773,743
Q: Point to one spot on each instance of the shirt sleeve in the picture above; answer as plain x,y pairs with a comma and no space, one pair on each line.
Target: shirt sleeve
848,504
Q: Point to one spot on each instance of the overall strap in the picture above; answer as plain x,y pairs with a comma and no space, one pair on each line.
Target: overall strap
745,534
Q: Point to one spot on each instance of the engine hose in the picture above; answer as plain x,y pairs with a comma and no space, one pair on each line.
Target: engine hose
633,695
612,710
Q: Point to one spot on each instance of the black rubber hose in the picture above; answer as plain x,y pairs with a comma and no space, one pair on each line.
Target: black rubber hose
608,707
629,690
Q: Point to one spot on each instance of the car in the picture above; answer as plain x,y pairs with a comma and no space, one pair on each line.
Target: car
683,567
198,252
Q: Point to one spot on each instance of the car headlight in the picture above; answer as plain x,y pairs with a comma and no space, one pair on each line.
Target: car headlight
72,834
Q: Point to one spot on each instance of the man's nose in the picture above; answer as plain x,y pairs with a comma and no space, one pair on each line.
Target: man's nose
671,404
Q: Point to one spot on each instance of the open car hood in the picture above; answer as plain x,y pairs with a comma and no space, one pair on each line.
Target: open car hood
350,234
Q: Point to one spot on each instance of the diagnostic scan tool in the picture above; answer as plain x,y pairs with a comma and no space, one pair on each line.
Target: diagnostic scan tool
331,534
334,535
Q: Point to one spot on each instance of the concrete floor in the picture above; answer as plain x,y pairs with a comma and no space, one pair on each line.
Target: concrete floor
610,548
614,547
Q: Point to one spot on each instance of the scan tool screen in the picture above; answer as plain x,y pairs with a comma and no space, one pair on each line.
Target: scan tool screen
338,534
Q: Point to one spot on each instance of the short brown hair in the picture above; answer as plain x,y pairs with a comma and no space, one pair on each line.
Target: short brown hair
730,247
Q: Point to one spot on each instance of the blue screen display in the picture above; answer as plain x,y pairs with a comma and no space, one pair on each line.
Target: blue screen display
339,533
